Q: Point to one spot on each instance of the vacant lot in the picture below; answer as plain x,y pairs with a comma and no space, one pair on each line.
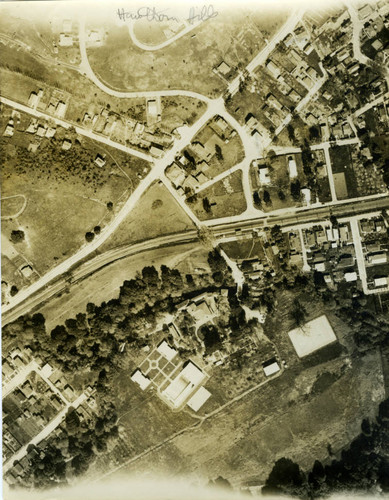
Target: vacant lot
342,164
244,249
157,213
197,53
226,198
180,110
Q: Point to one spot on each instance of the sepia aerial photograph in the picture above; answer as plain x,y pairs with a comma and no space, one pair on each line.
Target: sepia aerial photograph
194,249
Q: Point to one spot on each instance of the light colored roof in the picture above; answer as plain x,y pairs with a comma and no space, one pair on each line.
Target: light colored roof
152,108
292,168
186,382
351,276
381,281
271,369
198,399
312,336
167,352
141,380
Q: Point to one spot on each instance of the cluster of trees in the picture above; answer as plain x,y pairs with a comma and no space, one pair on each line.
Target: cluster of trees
91,340
362,468
70,452
17,235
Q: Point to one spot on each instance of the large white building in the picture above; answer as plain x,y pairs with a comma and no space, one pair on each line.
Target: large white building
166,351
312,336
184,385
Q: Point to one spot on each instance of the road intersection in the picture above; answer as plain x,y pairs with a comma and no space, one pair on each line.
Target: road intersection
214,107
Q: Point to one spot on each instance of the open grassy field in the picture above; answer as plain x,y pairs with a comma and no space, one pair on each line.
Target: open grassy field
244,249
226,198
66,193
156,213
204,48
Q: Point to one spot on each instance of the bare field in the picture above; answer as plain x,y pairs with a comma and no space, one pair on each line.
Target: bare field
196,53
157,213
65,189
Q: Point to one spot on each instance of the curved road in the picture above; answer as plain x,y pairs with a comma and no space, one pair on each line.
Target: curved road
8,217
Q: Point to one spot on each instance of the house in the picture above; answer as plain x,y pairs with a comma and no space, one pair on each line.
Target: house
50,132
190,182
41,131
223,68
68,392
47,370
66,144
27,271
292,167
270,367
156,151
139,128
9,130
381,282
33,100
65,40
273,68
140,379
166,351
264,175
175,174
377,258
100,161
6,369
33,147
56,402
61,109
351,276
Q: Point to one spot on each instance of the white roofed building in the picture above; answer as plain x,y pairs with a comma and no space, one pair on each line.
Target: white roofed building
312,336
167,352
140,379
198,399
183,386
271,367
292,167
352,276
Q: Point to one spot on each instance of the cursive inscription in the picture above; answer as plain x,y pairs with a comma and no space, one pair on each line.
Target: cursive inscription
148,13
196,14
204,13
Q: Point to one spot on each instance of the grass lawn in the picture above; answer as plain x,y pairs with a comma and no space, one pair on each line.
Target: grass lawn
226,198
179,110
342,163
197,53
156,213
244,249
